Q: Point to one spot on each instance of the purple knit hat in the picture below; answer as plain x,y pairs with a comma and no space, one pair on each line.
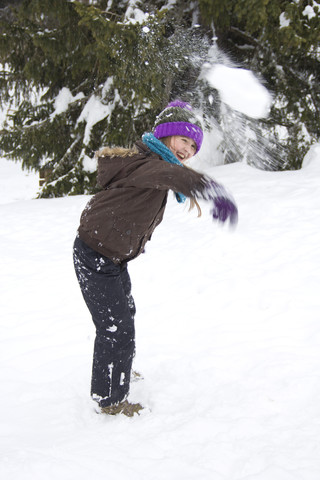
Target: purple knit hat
178,119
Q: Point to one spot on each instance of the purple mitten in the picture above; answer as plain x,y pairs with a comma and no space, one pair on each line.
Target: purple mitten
224,207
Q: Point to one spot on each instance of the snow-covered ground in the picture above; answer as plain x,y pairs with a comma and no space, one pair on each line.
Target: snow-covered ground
228,339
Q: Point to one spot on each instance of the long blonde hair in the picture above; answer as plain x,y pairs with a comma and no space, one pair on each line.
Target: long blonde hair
193,201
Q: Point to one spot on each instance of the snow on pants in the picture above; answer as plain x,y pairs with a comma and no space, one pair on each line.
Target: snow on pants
106,289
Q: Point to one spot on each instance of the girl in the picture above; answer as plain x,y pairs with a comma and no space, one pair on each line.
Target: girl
114,228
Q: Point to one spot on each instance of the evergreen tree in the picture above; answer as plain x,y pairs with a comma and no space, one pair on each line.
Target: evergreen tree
85,75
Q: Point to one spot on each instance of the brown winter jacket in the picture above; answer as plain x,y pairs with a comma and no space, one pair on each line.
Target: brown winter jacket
120,219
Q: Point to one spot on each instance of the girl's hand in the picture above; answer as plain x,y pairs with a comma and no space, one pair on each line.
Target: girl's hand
224,207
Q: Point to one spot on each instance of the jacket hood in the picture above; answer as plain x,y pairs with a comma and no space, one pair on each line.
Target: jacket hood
112,162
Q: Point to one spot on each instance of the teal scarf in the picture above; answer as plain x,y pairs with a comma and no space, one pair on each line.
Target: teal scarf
160,148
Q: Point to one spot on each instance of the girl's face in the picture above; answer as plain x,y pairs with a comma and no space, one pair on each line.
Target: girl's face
183,148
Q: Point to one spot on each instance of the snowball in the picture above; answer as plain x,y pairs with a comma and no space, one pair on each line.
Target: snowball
241,90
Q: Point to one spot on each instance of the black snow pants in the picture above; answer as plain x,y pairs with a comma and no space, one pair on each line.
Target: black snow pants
106,289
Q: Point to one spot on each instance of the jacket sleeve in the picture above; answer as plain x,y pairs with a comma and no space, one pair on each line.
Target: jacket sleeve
161,175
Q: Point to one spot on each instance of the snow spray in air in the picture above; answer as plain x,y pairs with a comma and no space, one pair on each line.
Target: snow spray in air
236,105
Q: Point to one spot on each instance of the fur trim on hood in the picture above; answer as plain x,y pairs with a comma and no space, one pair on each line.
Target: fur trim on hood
117,152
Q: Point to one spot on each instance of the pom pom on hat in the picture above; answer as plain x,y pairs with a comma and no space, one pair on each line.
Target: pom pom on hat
178,119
